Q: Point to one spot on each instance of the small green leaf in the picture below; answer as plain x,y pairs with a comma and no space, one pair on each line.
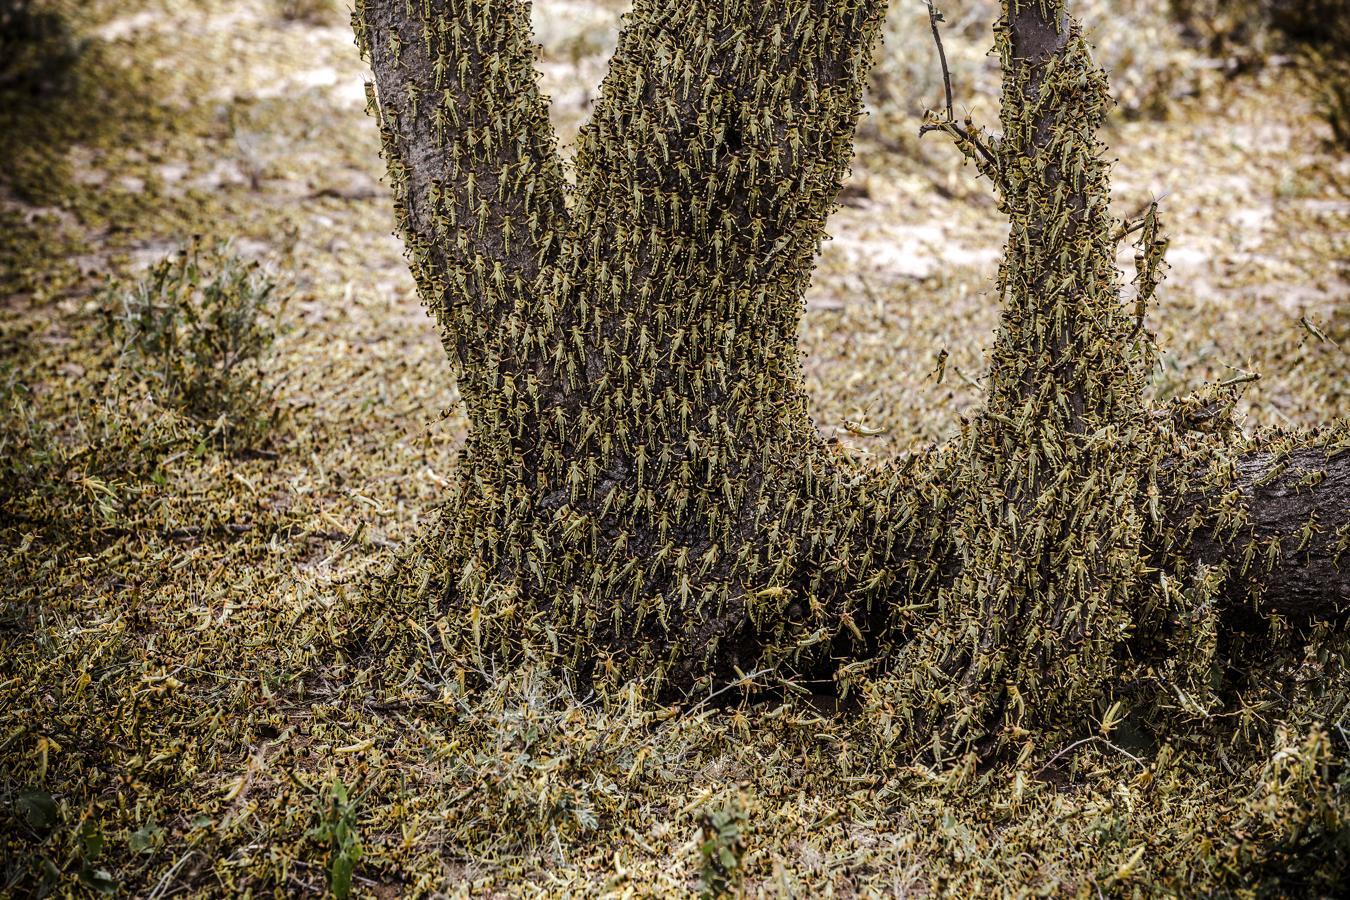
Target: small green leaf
144,838
341,875
93,839
98,879
38,809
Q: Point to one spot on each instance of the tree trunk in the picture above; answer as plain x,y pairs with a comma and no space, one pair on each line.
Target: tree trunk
643,486
643,493
1095,540
1044,497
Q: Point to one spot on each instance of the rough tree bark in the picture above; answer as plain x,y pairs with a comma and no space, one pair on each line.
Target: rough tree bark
643,492
1043,497
643,486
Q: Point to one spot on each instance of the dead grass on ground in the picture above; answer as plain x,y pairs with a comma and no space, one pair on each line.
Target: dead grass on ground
197,697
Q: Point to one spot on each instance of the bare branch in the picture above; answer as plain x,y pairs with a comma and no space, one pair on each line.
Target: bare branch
934,17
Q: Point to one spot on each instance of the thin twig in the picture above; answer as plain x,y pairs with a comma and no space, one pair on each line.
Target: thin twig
950,126
1128,230
1244,378
969,138
934,17
164,882
1096,738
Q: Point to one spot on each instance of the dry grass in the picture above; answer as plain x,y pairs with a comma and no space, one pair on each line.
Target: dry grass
189,668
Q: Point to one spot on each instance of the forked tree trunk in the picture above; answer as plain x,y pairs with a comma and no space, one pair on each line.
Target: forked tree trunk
643,491
643,485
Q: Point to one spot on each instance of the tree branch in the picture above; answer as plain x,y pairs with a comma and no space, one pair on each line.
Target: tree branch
1281,527
934,17
478,183
719,143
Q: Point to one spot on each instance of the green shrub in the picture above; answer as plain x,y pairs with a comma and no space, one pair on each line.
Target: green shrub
1319,22
723,845
336,830
1250,31
1324,26
83,472
197,330
1221,25
1328,70
36,46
